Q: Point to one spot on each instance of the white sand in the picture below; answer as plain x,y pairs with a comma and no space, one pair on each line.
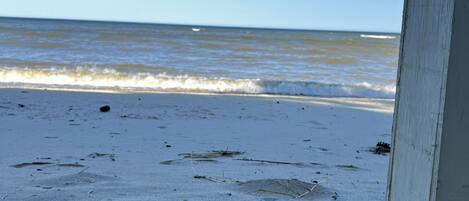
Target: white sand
66,127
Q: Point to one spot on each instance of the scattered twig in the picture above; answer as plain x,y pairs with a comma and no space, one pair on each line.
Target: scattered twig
205,177
70,165
348,167
212,154
313,163
47,164
309,191
112,157
212,179
269,161
22,165
138,116
169,162
84,170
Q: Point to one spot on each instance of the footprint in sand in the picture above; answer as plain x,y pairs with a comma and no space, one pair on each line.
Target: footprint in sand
78,179
279,189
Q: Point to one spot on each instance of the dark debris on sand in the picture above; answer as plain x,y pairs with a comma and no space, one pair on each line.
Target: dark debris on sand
212,154
22,165
42,164
112,157
204,157
381,148
348,167
105,108
75,165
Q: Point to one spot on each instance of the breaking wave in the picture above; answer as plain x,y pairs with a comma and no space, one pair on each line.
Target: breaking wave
377,36
107,78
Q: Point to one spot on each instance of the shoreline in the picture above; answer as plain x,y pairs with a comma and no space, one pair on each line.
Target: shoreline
134,91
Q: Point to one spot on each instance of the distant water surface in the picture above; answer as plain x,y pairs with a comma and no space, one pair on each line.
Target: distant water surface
149,57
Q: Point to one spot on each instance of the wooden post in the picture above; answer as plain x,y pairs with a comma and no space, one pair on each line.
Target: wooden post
430,155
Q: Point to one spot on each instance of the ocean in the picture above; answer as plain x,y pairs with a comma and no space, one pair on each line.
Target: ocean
64,54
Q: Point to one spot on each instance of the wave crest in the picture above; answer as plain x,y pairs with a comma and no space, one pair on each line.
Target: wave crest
377,36
108,78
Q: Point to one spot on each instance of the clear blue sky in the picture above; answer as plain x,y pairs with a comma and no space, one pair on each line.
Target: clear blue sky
358,15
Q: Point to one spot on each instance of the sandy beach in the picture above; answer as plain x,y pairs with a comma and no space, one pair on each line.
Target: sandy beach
57,145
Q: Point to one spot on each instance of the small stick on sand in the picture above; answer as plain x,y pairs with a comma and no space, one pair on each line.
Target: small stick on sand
84,170
76,165
22,165
268,161
212,179
309,191
205,177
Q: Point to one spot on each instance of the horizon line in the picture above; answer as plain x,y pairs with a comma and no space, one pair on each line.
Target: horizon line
195,25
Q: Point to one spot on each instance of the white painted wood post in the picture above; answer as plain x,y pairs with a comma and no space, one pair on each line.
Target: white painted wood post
430,155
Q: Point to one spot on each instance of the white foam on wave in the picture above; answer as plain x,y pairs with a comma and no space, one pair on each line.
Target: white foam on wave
108,78
377,36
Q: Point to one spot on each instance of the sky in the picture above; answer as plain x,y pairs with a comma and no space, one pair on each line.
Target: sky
347,15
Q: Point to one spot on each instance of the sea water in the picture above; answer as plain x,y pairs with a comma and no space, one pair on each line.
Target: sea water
68,54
